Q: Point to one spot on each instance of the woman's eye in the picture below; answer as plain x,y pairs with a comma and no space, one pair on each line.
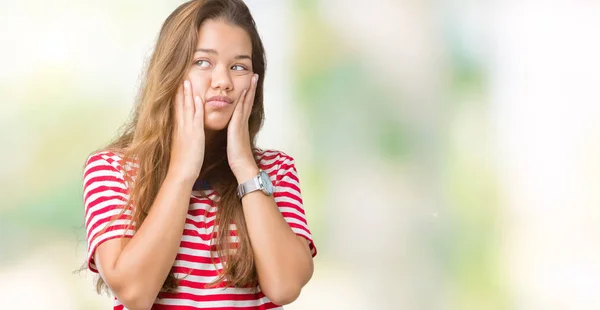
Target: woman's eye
238,68
202,63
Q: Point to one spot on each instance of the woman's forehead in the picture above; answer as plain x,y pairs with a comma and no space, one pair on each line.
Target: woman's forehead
223,38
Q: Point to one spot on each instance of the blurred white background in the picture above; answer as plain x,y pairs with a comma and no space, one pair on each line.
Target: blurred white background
449,152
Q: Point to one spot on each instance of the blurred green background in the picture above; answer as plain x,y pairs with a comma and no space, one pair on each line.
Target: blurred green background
447,151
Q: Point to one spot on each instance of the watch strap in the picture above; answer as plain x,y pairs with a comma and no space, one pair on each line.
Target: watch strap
249,186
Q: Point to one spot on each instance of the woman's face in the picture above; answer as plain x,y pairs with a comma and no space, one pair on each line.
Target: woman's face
221,69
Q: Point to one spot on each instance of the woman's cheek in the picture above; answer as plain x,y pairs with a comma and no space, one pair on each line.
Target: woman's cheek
245,83
199,85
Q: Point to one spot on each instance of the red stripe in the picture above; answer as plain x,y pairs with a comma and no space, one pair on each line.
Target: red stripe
109,229
200,224
298,226
103,177
264,157
265,166
288,215
282,204
92,204
298,199
201,200
104,210
203,285
311,246
269,305
196,272
203,212
291,176
285,184
196,259
92,251
104,188
216,297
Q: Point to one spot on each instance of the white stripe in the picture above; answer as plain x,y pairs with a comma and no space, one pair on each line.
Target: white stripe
275,162
202,206
299,231
203,253
194,265
96,163
198,240
291,210
195,279
288,189
290,180
291,201
103,173
268,162
288,199
195,252
294,220
98,184
116,158
213,304
130,166
204,231
101,227
270,171
104,236
201,218
214,291
269,153
102,205
105,193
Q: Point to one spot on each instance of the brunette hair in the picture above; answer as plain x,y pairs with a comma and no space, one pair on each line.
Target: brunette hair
146,138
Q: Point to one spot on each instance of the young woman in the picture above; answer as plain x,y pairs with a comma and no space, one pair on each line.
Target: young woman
182,211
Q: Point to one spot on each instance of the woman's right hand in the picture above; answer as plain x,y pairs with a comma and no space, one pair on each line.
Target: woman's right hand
188,144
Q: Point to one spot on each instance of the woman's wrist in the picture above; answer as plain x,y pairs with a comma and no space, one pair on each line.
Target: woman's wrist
246,173
181,178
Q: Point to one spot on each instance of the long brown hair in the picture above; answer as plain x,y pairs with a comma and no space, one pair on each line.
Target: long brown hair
146,138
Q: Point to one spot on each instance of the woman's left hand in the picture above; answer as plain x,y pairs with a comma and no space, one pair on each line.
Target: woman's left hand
239,150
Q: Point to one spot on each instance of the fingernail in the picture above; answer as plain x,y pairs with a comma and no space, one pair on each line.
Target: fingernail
255,78
198,99
186,83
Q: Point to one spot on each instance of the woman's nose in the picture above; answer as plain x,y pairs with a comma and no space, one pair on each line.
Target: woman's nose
221,79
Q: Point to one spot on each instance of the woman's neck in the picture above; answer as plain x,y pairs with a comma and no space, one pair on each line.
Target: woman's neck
215,147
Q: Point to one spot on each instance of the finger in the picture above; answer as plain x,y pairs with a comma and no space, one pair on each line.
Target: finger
249,100
188,102
199,115
239,107
178,105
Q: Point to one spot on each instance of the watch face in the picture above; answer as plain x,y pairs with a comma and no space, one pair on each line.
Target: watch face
266,183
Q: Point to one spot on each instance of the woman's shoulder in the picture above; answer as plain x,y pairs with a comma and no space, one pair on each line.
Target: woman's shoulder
108,155
272,158
108,158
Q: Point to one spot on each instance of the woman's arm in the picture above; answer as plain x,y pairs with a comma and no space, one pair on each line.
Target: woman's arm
135,269
283,259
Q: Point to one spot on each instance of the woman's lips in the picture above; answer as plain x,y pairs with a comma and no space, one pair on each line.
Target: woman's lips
219,101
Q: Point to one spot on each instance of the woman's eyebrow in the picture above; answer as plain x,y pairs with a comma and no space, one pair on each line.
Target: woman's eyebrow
212,51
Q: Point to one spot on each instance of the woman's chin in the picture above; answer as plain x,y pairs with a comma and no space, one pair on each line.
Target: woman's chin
216,121
215,125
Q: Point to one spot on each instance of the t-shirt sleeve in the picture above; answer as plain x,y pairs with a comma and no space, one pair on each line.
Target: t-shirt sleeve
105,195
289,200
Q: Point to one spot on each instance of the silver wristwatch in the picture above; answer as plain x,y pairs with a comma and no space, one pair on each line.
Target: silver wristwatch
260,182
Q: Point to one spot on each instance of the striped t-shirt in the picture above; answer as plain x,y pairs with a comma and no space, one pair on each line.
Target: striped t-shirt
105,193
